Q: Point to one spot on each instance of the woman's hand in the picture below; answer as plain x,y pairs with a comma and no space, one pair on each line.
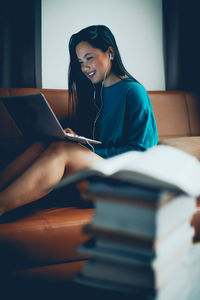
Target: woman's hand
69,130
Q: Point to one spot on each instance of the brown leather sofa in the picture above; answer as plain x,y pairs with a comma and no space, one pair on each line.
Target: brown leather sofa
40,240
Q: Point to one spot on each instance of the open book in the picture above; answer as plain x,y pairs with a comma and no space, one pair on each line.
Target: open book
161,167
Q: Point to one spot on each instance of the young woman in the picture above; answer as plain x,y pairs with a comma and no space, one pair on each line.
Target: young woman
110,106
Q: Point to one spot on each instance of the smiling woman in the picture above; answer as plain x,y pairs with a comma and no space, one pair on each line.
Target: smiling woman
110,104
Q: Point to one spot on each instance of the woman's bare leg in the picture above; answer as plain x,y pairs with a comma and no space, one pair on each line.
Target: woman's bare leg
17,166
37,180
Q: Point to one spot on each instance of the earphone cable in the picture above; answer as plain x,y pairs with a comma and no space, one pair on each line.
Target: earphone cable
90,145
101,100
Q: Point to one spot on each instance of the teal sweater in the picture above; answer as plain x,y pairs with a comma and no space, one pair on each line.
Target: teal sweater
126,121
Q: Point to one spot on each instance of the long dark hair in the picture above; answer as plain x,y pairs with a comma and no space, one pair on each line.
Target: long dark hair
80,87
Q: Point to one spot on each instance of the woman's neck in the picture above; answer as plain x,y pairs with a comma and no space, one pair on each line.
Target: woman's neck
112,79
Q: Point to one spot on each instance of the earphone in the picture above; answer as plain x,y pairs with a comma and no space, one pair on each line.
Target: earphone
111,58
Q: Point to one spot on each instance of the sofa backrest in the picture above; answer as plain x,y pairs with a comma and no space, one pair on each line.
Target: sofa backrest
177,113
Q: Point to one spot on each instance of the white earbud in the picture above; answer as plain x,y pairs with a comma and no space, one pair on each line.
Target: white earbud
111,58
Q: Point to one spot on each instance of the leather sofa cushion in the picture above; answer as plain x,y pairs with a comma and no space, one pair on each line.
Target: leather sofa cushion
190,144
62,272
45,237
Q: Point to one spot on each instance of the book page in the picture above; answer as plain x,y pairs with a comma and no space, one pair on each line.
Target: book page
116,163
162,163
169,165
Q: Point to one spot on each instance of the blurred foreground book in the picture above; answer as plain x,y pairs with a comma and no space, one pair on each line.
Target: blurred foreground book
142,239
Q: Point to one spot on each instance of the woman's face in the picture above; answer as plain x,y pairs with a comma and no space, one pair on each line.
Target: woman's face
94,63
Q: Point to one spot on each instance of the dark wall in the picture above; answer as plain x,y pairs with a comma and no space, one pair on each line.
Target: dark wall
182,44
20,47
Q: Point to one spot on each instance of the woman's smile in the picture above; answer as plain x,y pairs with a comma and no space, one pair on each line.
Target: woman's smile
90,75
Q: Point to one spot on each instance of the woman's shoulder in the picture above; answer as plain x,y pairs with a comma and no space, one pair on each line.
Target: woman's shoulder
136,94
128,87
134,88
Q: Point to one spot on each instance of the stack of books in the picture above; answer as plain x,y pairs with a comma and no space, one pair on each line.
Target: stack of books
141,234
139,239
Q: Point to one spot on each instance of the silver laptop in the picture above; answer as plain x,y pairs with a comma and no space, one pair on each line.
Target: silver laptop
34,117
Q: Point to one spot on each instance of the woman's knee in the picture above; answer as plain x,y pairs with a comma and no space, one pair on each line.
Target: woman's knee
58,150
72,155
